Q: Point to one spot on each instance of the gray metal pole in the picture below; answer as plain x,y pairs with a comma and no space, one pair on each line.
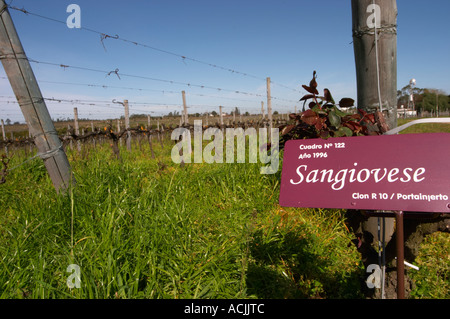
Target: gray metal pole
29,97
400,255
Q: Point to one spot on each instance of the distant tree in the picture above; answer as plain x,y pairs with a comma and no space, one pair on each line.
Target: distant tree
424,99
8,121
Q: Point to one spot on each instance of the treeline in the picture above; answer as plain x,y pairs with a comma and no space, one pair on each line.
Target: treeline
425,100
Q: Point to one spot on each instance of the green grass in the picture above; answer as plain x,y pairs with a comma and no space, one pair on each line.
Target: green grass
148,228
424,127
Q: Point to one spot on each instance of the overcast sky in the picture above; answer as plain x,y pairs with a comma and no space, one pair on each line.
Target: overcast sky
230,47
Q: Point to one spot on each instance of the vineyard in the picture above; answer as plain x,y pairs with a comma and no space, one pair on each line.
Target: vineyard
137,225
141,226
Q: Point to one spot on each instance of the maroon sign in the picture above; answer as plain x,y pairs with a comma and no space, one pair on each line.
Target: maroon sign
409,172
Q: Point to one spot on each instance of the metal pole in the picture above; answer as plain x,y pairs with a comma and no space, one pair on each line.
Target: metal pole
400,255
32,104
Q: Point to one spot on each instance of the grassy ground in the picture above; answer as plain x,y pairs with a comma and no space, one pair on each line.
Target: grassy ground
147,228
144,228
424,127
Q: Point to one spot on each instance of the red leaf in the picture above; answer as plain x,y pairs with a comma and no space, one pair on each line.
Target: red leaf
310,117
307,96
346,102
310,90
313,83
320,123
287,129
327,96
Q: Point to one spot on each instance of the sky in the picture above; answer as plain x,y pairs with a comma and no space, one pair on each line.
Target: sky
230,48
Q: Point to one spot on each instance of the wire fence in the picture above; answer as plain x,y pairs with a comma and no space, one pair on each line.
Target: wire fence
252,101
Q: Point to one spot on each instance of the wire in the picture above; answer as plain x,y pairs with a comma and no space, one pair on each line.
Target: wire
104,36
116,71
136,89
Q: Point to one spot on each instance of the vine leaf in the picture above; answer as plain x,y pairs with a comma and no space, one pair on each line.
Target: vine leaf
309,117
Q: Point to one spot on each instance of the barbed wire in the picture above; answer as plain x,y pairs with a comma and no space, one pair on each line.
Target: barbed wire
104,36
137,89
116,71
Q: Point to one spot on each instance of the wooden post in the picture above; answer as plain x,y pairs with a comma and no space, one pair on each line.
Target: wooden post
4,137
376,56
3,130
92,129
77,128
262,110
269,109
221,116
29,97
159,135
118,131
68,134
127,123
186,121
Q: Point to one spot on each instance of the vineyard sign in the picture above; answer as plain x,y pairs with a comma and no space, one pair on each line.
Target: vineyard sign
407,172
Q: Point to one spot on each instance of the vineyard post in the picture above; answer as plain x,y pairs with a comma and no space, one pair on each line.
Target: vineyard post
262,110
376,56
92,129
118,131
185,108
221,116
12,139
149,128
77,128
269,109
127,124
159,134
68,135
4,137
32,104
